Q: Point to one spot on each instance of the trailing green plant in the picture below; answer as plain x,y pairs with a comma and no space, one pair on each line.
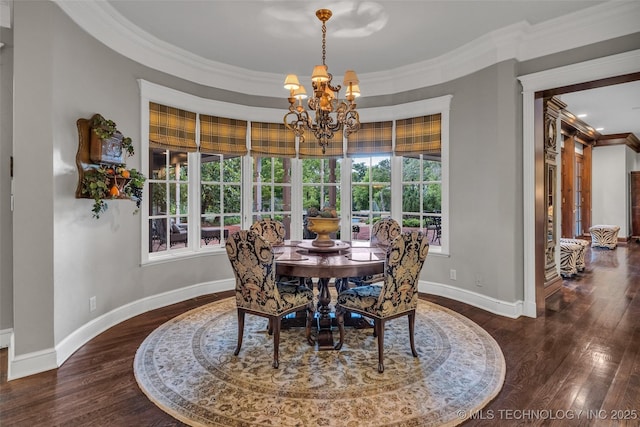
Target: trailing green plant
106,129
96,185
105,182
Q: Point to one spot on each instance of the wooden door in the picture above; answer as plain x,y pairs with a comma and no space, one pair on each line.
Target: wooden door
635,203
568,187
579,197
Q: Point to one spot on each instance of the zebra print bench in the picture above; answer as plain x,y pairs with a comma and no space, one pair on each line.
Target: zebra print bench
569,258
604,236
580,263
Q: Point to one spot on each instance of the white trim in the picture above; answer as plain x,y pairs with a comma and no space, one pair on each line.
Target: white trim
5,337
611,66
493,305
520,41
44,360
29,363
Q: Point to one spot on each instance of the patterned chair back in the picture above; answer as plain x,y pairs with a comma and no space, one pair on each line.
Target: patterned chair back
384,231
270,229
251,257
405,258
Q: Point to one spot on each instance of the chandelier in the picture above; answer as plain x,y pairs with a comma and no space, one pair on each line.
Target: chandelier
330,114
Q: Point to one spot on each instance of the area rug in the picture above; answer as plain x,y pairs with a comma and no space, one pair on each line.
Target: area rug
187,368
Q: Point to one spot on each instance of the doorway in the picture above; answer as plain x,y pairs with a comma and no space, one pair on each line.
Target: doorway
598,72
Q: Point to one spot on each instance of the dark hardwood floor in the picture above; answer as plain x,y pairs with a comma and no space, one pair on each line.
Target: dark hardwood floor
577,365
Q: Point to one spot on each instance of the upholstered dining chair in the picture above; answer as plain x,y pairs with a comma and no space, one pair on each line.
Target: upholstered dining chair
382,234
257,292
384,231
271,230
396,296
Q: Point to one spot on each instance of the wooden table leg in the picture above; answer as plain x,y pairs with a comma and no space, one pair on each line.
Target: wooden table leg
325,336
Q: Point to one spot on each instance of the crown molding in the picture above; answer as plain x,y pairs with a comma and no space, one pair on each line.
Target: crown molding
520,41
628,139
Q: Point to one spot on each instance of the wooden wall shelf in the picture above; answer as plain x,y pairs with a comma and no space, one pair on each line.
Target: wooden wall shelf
86,165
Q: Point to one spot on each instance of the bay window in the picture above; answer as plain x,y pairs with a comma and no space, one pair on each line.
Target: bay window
209,176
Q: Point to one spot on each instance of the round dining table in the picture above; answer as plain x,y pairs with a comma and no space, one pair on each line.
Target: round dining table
300,258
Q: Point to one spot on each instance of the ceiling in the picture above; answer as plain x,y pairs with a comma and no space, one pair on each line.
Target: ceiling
284,36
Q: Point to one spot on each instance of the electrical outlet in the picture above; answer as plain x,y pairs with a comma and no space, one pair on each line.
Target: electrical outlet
452,274
478,280
92,303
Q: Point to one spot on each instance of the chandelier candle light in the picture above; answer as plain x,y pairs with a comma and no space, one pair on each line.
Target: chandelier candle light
331,115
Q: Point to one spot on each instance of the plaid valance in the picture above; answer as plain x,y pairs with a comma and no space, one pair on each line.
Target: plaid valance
372,138
272,140
419,135
219,135
310,148
171,128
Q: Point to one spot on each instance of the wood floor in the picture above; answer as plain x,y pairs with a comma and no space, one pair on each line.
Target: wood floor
583,355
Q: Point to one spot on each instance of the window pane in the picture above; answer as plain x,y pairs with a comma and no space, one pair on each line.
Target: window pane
410,169
157,198
178,198
432,170
311,170
382,198
264,193
232,170
210,198
157,235
178,231
371,193
157,164
178,166
361,198
411,198
432,198
381,170
232,198
411,222
282,198
360,171
210,167
422,195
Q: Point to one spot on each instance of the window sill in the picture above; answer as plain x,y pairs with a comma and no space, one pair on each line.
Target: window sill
181,255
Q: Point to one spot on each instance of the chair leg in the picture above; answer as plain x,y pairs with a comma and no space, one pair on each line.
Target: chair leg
309,323
240,330
412,322
379,327
275,323
340,316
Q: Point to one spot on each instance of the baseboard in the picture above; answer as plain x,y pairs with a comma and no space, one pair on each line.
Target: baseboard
5,337
493,305
44,360
29,363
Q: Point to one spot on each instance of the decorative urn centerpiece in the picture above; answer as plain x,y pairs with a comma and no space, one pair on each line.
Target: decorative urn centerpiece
323,223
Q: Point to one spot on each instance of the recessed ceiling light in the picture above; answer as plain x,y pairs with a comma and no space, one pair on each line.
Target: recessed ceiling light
582,115
599,129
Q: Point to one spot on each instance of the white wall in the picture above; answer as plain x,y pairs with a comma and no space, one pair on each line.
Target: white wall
609,186
6,224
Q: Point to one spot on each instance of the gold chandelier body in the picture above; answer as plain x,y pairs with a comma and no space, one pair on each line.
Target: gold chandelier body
329,114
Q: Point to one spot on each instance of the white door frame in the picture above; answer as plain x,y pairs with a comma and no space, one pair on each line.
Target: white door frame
601,68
